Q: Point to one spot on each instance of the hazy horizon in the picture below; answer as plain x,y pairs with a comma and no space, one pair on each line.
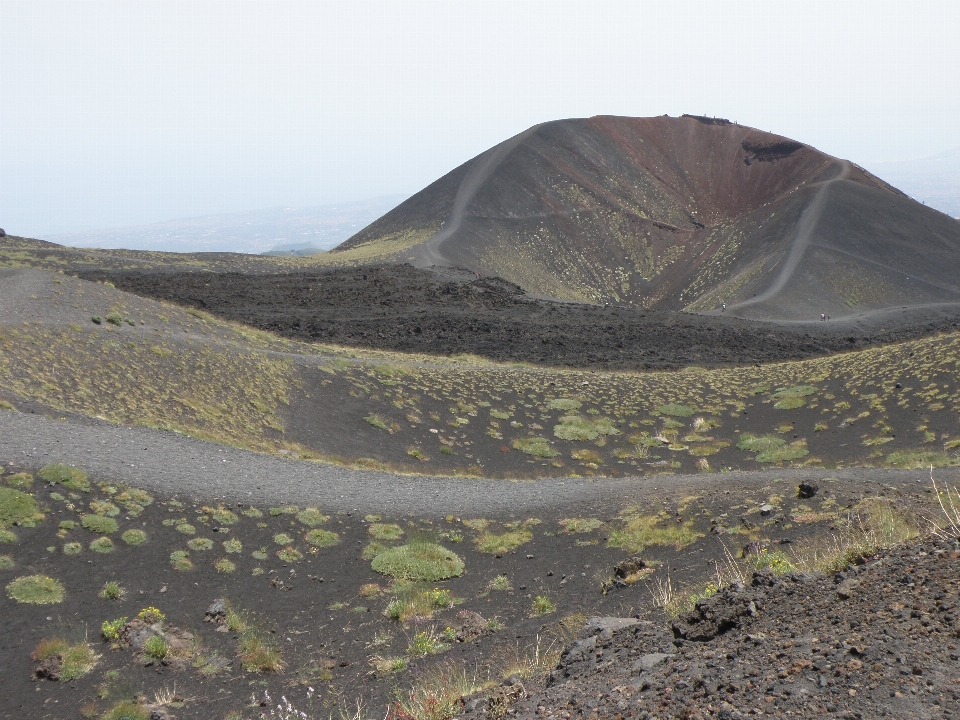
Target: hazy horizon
120,114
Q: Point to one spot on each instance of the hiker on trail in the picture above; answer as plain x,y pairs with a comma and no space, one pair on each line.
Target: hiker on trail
822,317
723,306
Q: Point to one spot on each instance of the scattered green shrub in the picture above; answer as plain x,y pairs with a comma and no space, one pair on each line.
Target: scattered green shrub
72,548
289,554
18,508
186,529
641,531
110,629
321,538
36,590
114,318
282,539
102,545
99,524
134,537
562,404
232,546
425,643
580,525
200,544
420,561
7,537
76,659
126,710
542,605
223,516
6,562
385,531
223,565
536,446
20,480
312,517
156,647
111,591
498,544
70,477
912,459
180,560
675,410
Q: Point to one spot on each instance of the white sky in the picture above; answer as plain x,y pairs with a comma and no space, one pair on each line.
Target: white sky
129,112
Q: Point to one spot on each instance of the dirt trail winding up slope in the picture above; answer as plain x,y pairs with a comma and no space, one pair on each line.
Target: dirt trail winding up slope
430,253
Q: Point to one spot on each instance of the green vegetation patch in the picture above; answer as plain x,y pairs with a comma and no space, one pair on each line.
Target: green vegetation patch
773,449
72,548
76,659
200,544
575,427
536,446
20,480
180,560
312,517
70,477
18,508
7,537
321,538
126,710
565,404
642,531
419,561
36,590
102,545
6,562
99,524
498,544
675,410
134,537
912,459
581,525
385,531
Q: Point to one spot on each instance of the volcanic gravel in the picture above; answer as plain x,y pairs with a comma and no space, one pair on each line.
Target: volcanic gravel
876,640
449,312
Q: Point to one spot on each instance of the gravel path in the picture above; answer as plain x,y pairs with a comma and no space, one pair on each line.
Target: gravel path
172,464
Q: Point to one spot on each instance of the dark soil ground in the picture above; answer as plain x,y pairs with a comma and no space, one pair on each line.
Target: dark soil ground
876,640
325,609
450,312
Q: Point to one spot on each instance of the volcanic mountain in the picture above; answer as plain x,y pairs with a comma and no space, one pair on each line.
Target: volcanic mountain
678,214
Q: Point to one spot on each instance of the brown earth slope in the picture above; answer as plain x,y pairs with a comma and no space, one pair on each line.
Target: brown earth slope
676,213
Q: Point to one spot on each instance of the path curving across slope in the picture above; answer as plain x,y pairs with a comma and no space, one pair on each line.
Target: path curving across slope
801,241
175,465
429,252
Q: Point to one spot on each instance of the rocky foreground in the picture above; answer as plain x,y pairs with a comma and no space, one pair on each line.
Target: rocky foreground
876,640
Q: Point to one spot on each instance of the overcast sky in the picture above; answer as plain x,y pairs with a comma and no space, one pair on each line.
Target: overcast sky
127,112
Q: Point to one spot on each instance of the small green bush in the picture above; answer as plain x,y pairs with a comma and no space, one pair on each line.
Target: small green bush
76,659
134,537
114,318
200,544
36,590
99,524
7,537
20,480
312,517
180,560
420,562
70,477
536,446
563,404
425,643
111,591
126,710
282,539
72,548
17,508
102,545
186,529
289,554
156,647
224,517
385,531
488,542
224,566
542,605
911,459
67,525
675,410
321,538
232,546
6,562
110,629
